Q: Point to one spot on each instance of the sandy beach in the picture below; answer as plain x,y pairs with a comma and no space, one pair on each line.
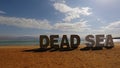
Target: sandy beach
29,57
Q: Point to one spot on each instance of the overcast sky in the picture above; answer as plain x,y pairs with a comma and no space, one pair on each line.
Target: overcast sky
35,17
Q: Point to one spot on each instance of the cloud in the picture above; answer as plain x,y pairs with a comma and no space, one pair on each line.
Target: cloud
44,24
60,1
113,25
25,23
75,27
71,13
2,12
112,28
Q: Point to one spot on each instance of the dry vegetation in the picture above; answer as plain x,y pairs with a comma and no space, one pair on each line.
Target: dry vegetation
19,58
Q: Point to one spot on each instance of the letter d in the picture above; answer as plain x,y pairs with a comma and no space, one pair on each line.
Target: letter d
73,44
44,41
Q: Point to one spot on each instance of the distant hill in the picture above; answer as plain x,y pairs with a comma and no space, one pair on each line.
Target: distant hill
23,38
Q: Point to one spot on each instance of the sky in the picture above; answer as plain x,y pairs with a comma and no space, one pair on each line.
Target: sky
48,17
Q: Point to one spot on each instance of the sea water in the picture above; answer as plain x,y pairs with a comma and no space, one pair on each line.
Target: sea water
19,42
34,42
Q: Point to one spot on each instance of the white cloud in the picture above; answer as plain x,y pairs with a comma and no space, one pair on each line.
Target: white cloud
115,25
60,1
2,12
43,24
26,23
113,28
71,13
62,7
75,27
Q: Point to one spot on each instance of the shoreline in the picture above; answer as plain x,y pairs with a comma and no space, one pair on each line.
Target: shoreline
37,45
